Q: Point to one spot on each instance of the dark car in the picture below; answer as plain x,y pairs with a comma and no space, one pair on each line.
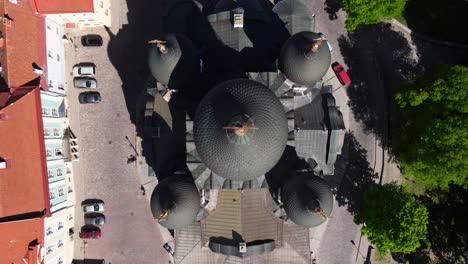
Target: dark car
91,40
89,98
91,233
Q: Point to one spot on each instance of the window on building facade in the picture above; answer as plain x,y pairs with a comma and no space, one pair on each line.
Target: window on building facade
45,110
58,152
60,225
51,173
48,152
49,54
48,26
49,231
46,132
56,132
49,249
59,172
51,195
58,57
55,112
60,260
61,192
59,243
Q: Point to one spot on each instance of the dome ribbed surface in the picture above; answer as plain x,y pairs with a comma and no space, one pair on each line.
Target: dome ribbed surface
179,67
262,147
303,190
301,66
181,196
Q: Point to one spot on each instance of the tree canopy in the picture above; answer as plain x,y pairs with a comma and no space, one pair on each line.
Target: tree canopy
434,139
370,11
394,221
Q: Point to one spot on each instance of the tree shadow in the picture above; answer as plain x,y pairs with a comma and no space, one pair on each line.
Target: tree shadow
332,8
356,176
440,21
379,59
447,228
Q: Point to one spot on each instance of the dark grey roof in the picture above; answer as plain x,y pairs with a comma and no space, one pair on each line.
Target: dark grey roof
228,154
301,194
253,248
296,15
180,195
179,67
299,64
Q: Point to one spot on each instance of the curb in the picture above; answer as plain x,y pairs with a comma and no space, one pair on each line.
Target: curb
424,37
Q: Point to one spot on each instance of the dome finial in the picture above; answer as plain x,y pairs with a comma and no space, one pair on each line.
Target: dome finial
164,214
161,44
316,44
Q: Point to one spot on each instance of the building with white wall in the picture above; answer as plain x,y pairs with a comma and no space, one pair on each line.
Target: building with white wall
76,13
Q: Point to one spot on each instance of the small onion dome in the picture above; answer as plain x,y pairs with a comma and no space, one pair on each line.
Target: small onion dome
175,202
304,58
240,129
173,61
307,199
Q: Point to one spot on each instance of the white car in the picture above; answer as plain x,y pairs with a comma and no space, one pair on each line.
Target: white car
84,70
93,207
328,42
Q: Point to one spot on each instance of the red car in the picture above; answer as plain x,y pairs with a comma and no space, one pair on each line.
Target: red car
94,233
341,73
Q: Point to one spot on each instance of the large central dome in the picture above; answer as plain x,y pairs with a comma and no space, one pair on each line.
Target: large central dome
240,129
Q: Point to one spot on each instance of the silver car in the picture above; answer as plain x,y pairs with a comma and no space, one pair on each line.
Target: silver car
85,82
95,219
84,70
93,207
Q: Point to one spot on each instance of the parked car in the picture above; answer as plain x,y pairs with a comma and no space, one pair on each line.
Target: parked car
341,73
93,207
85,82
89,98
328,42
95,219
91,233
84,70
91,40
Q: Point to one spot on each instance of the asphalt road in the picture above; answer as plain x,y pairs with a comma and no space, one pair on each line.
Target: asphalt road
130,235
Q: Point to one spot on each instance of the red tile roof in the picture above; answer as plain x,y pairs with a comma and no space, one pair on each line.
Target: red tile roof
62,6
23,185
21,240
24,43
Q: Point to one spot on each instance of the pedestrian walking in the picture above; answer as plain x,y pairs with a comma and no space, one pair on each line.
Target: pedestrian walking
131,159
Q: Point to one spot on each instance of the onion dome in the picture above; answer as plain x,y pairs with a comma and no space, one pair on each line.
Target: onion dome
173,61
175,202
240,129
307,199
304,58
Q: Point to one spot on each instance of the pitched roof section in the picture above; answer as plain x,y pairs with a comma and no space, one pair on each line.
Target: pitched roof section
245,213
21,240
24,43
62,6
23,185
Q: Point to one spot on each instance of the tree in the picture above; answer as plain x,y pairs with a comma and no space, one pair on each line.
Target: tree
370,11
434,138
394,221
